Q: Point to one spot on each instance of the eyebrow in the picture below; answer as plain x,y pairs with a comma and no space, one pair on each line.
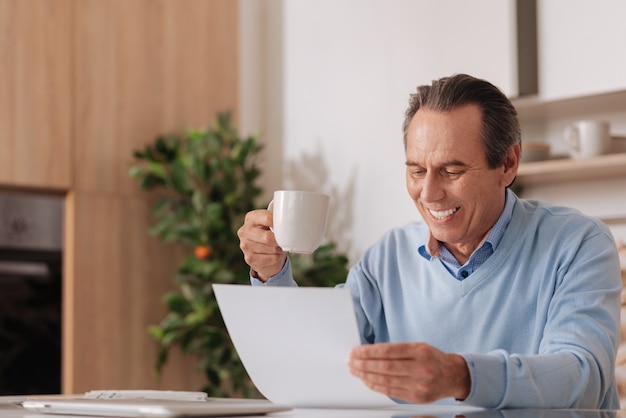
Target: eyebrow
454,163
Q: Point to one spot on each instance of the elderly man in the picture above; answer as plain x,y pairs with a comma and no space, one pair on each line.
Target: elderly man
490,299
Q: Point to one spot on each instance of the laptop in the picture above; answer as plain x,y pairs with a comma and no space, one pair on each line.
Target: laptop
153,407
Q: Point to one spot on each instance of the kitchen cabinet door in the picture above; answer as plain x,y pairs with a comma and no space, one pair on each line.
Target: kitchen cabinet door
146,68
116,278
142,68
35,93
581,47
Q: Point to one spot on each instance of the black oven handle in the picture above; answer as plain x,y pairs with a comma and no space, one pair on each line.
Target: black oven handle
19,268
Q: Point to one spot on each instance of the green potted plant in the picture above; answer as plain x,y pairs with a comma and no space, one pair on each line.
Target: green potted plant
208,182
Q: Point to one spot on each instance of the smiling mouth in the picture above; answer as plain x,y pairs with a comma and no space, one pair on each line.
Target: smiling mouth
443,214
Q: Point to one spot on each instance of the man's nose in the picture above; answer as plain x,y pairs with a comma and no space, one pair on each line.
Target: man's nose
432,187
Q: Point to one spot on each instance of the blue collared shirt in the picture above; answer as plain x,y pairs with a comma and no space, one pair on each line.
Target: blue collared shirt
480,255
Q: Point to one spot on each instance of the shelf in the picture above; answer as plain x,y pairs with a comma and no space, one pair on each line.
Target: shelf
569,170
532,108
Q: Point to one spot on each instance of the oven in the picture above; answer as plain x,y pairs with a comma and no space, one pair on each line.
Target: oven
31,248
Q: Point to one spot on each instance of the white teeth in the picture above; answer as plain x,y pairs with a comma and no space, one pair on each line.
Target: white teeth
441,214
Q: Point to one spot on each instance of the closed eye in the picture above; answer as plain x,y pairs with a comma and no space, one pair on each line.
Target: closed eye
451,170
453,173
415,170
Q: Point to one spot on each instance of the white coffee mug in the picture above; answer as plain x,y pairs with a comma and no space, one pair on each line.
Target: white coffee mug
588,138
299,219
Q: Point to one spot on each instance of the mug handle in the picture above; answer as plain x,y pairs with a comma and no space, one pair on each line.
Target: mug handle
572,138
270,207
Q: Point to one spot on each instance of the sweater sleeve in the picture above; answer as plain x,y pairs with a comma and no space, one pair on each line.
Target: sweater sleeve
576,361
283,278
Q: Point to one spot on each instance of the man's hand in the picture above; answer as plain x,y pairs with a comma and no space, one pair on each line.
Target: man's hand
414,372
259,246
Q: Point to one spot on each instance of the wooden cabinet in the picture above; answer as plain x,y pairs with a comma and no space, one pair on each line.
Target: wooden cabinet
144,68
114,284
35,93
141,68
83,83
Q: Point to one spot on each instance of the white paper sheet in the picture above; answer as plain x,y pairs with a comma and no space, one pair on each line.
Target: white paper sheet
295,344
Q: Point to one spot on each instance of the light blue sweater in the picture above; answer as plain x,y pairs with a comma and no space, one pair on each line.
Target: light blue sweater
538,322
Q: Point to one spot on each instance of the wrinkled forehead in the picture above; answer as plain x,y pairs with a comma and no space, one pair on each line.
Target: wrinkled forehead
432,128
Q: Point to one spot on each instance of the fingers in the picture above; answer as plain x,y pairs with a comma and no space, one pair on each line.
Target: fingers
380,367
416,372
397,360
398,378
401,388
255,232
258,244
386,350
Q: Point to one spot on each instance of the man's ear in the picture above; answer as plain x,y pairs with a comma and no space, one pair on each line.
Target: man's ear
511,164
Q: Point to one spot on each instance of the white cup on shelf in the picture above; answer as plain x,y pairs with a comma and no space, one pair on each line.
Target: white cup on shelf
588,138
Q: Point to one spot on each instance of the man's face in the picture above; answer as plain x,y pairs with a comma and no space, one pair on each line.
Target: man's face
448,178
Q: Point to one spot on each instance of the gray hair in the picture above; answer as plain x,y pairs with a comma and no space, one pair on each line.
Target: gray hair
500,124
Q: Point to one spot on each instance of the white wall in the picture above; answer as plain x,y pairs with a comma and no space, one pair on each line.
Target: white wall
583,47
326,82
